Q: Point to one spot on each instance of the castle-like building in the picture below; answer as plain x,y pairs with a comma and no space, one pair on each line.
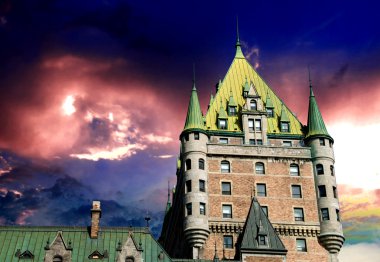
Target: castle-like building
253,183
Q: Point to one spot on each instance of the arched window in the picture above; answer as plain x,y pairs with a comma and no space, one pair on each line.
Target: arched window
225,166
253,104
332,170
201,164
129,259
320,169
188,164
57,259
294,170
259,167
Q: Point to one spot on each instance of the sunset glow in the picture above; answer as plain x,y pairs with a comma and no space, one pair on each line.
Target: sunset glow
68,105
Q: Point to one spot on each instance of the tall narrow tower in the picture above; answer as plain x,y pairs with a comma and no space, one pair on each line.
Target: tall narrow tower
322,153
193,141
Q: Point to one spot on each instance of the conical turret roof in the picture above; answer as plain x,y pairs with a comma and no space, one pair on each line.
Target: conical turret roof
194,118
315,124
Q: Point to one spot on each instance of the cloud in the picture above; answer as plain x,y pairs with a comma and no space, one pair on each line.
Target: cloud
360,252
113,154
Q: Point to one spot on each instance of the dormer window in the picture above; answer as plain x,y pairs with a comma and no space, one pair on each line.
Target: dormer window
285,127
232,110
222,123
253,104
270,112
262,240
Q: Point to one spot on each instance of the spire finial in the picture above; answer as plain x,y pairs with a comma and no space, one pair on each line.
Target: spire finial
310,86
193,76
239,53
237,30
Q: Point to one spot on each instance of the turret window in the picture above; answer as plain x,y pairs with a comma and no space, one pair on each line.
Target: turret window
225,166
298,214
301,245
322,142
253,104
332,171
259,168
188,164
270,112
189,209
320,169
201,164
337,215
196,136
334,192
202,186
227,211
325,214
294,170
202,208
222,124
285,127
188,186
322,191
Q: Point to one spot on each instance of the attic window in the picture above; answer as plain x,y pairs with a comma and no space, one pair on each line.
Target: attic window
270,112
262,240
96,255
222,124
57,259
129,259
232,110
285,127
253,104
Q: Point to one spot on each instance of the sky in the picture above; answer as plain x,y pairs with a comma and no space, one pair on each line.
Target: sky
94,96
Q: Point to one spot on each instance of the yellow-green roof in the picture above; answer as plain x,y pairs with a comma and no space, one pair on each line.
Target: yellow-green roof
240,72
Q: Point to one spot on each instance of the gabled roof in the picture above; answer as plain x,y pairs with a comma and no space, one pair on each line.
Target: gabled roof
257,223
315,124
238,76
194,118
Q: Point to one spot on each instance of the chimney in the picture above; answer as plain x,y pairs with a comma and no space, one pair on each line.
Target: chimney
96,214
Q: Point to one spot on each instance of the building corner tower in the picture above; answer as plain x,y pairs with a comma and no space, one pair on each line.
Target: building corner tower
193,154
322,154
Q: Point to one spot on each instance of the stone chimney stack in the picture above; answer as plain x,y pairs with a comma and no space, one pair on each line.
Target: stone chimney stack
96,214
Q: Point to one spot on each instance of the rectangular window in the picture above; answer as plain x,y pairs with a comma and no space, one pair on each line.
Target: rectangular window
258,124
298,214
189,209
269,112
284,127
337,215
330,143
202,186
188,186
250,125
296,191
259,142
252,142
287,143
262,240
202,208
334,192
322,191
227,211
265,209
227,242
226,188
301,244
294,170
223,140
261,190
196,136
232,111
187,137
225,167
325,214
222,124
322,141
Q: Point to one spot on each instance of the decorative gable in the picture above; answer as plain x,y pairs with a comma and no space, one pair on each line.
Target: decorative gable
130,251
58,248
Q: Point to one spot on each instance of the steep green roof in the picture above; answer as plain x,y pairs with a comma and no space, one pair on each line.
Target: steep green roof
257,223
246,86
194,118
211,100
34,240
315,124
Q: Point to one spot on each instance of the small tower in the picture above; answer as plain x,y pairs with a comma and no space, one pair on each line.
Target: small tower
194,179
322,153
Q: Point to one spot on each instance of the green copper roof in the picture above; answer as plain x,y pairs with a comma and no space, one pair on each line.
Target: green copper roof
316,125
222,113
284,116
246,86
211,100
257,223
194,118
268,102
231,101
34,240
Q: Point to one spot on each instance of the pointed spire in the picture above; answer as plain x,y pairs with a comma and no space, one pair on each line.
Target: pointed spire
284,116
239,52
211,101
315,124
168,204
194,118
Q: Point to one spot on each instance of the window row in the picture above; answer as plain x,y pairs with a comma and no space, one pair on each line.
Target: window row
201,164
325,214
225,167
322,142
189,209
201,184
254,125
196,136
262,240
322,191
320,170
